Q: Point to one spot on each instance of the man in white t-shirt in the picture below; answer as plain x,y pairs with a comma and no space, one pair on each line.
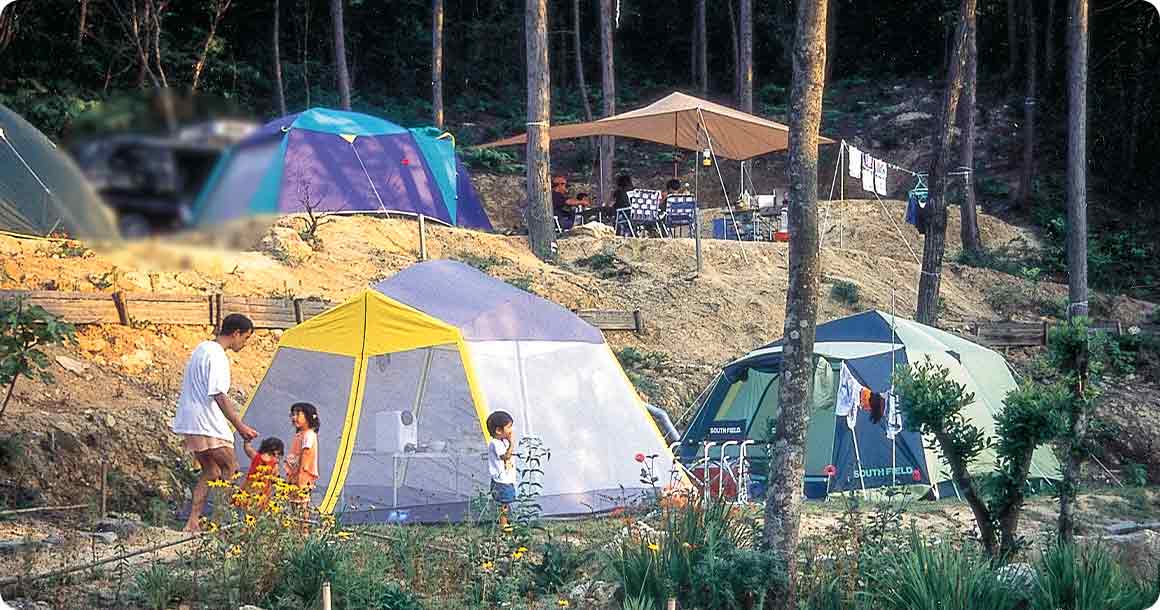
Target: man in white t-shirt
205,410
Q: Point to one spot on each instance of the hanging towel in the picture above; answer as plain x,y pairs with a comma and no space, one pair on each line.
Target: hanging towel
912,209
893,416
849,397
880,177
855,162
867,173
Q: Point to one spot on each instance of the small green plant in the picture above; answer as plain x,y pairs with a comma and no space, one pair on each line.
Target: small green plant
24,330
491,160
523,283
158,585
481,262
71,249
941,577
638,365
639,602
11,449
1087,578
1136,474
559,562
605,265
845,292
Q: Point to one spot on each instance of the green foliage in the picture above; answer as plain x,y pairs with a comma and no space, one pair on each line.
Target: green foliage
638,366
160,584
523,283
1088,578
559,562
606,265
492,160
845,292
639,602
24,330
1135,474
483,262
11,449
934,405
940,577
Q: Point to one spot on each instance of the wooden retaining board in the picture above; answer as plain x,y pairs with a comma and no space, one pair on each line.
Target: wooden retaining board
73,307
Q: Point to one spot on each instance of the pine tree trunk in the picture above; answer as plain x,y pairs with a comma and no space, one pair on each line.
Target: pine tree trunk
787,446
279,90
340,54
437,63
746,59
969,232
1077,52
608,86
1049,47
1027,168
831,38
541,229
219,10
934,244
304,50
702,50
736,54
693,53
82,24
1012,40
577,40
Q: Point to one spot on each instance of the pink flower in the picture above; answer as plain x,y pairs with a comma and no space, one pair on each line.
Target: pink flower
916,475
829,470
639,457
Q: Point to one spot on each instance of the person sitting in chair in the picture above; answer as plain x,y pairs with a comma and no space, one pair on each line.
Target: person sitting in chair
563,206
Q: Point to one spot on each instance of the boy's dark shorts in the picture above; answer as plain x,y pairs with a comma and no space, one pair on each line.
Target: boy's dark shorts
503,493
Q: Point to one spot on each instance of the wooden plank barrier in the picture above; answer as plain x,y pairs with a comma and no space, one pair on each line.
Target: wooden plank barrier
612,319
208,310
1010,334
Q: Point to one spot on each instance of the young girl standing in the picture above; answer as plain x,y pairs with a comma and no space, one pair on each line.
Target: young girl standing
302,460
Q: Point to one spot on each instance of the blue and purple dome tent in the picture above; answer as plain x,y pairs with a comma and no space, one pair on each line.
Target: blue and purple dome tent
341,162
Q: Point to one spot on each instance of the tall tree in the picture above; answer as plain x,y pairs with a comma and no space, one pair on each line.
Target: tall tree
581,83
340,54
969,227
1077,293
541,231
934,244
608,91
1027,167
1012,40
82,23
831,37
279,89
1049,47
745,60
733,39
219,11
437,62
702,50
787,446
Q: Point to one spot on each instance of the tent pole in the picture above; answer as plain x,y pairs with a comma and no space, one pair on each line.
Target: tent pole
858,457
420,394
697,207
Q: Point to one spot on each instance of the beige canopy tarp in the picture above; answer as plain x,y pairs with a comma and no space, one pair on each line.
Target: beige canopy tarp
677,120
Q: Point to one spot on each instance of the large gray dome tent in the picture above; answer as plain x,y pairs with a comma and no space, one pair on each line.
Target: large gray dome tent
42,191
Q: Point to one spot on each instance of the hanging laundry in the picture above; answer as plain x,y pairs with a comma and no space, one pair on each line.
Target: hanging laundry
855,162
849,397
867,173
877,407
893,416
880,177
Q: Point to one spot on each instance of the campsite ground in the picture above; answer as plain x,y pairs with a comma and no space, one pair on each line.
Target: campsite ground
115,389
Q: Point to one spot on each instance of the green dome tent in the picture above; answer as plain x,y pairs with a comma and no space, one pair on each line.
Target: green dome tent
42,191
862,450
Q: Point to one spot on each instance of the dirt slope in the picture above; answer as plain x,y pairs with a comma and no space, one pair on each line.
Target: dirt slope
121,403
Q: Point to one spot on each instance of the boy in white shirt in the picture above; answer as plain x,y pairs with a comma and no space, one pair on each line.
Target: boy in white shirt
500,463
205,410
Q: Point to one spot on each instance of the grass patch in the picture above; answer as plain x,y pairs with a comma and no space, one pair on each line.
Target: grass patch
640,366
523,283
482,262
605,265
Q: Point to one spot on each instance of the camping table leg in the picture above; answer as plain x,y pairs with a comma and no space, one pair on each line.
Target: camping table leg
395,481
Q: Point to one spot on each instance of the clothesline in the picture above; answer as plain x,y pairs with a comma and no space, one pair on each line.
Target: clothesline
961,170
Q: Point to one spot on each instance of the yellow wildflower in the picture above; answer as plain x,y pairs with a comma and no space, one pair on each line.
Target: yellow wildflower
217,484
507,529
654,547
487,566
563,603
522,549
274,508
327,520
250,520
234,551
236,476
287,523
517,555
258,485
211,527
344,535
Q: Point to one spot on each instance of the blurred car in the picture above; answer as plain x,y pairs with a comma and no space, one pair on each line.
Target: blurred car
151,182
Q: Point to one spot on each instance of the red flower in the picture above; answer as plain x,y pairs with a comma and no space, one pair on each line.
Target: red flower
829,470
639,457
916,475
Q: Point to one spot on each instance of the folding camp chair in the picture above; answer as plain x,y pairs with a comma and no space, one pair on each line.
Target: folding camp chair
643,212
681,211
